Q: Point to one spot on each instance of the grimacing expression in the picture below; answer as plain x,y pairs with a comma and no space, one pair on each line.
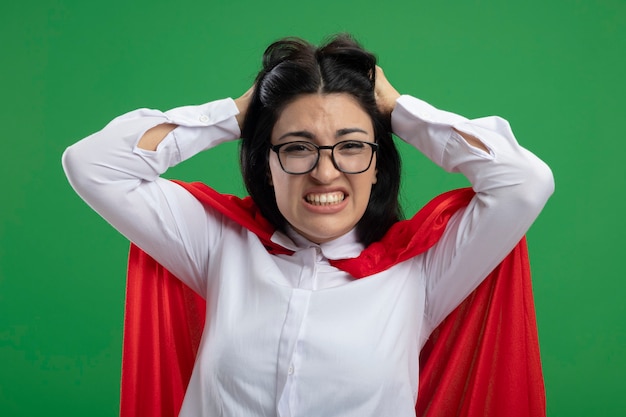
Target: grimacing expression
324,203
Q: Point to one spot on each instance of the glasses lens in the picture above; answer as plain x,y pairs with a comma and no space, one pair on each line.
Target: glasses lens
352,156
298,157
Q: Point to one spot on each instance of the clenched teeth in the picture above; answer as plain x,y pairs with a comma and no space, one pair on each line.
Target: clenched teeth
325,199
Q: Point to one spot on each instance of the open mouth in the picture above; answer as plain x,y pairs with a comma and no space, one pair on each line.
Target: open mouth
325,199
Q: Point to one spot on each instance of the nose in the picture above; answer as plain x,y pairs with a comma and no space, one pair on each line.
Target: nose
325,171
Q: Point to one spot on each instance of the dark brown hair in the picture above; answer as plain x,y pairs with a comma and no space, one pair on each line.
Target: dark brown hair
293,67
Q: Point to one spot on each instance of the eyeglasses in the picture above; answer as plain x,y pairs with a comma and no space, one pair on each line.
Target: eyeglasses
348,156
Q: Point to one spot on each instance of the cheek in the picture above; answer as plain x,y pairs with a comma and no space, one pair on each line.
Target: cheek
281,183
370,178
275,174
365,195
365,186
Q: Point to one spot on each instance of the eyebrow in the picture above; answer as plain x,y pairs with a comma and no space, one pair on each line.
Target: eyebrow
308,135
299,134
346,131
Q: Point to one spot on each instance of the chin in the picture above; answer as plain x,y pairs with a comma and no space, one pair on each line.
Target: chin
325,236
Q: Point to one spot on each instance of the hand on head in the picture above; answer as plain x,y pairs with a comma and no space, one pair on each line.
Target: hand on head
386,94
242,104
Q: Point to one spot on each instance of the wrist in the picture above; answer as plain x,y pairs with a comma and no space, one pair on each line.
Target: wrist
242,104
389,104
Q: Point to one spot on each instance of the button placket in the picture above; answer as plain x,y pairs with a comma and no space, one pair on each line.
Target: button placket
288,350
308,273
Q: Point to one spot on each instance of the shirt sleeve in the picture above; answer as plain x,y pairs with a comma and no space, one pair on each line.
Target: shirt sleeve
122,183
512,185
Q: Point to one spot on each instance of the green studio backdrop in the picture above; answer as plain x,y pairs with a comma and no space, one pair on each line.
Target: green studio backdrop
555,69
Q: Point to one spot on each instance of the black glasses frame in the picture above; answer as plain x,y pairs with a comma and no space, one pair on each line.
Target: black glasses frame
373,145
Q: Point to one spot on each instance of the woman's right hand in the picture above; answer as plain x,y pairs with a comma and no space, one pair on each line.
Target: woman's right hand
242,104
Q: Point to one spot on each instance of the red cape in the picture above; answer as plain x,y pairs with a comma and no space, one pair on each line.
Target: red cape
483,360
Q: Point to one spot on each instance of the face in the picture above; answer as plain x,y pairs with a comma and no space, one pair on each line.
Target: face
325,203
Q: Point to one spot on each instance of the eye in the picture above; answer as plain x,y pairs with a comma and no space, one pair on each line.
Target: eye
298,149
351,147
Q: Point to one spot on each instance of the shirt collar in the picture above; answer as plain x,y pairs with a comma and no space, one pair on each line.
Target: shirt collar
343,247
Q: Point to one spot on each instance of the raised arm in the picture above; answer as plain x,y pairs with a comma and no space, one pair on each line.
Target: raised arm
117,172
512,185
387,95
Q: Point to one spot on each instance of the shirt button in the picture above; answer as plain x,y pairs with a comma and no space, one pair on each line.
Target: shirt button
290,370
204,118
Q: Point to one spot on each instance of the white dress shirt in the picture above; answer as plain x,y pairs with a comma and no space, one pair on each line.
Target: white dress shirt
291,335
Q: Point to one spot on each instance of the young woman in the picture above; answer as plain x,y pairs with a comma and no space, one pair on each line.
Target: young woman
288,332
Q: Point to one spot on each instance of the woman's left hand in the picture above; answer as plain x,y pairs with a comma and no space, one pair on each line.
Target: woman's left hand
386,94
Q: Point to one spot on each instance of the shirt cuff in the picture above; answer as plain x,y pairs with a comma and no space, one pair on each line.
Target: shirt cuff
426,112
432,131
424,126
206,114
202,127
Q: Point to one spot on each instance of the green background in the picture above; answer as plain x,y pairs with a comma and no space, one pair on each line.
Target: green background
555,69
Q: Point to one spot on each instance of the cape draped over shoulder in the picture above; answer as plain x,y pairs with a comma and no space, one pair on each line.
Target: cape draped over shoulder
482,360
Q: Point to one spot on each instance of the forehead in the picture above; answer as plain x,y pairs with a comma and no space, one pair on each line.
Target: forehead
322,114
